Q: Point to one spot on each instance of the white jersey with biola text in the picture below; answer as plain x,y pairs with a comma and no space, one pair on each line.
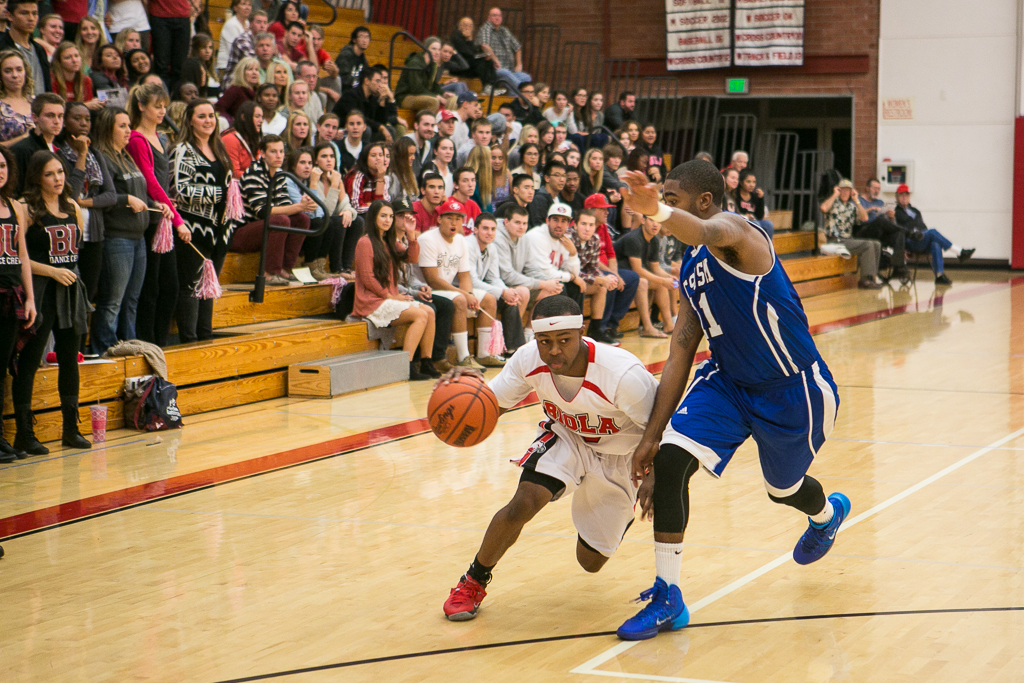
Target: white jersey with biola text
611,407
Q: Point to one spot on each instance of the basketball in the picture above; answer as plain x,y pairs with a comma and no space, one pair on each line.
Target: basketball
463,412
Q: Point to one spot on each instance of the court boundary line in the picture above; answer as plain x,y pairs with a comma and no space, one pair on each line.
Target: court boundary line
600,634
590,666
71,512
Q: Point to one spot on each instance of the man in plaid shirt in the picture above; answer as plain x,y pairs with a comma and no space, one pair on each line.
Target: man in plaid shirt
502,48
245,44
599,282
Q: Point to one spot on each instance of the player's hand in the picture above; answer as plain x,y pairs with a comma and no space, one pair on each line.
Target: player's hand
641,196
645,497
455,373
643,459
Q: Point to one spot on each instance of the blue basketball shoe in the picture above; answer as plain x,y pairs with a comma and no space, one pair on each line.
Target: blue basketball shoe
818,540
667,612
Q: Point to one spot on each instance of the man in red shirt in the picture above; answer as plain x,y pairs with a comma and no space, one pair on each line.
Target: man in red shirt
171,32
465,186
620,298
425,208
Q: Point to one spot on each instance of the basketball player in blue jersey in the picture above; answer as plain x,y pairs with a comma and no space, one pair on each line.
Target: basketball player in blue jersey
764,379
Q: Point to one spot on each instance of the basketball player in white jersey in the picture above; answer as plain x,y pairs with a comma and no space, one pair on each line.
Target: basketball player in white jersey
596,400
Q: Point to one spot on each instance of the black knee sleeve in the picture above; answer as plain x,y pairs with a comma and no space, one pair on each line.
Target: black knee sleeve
810,499
673,468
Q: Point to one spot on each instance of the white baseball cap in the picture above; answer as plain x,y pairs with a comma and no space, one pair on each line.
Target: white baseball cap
558,209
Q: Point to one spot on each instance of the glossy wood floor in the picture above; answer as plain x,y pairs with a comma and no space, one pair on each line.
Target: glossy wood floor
333,569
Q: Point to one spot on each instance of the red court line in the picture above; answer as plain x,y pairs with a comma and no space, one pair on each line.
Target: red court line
107,502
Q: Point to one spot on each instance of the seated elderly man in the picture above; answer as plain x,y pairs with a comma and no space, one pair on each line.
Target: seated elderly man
923,240
842,211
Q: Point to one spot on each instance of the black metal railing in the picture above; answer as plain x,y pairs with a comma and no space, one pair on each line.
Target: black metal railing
620,75
734,132
540,52
256,295
580,66
391,51
503,82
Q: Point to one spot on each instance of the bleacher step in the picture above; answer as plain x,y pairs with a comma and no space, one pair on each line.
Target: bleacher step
344,374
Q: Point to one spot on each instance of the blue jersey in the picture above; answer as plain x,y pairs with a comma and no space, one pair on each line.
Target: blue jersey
755,324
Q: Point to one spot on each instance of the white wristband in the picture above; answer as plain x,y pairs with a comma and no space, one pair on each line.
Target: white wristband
664,211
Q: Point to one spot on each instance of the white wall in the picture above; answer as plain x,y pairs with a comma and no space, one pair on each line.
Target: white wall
958,60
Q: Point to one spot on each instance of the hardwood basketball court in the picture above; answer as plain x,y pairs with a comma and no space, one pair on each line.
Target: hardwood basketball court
315,540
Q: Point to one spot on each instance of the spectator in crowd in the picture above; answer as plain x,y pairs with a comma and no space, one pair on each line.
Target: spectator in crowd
327,129
330,85
425,208
294,46
371,98
546,133
200,172
139,66
89,39
480,66
502,48
877,226
296,101
598,282
529,155
245,44
750,201
149,149
91,186
463,191
481,136
48,121
17,302
444,265
593,122
513,257
51,33
307,73
198,68
352,145
731,178
24,15
705,156
613,158
336,247
172,30
446,122
632,129
380,256
525,111
298,133
130,39
243,137
593,177
300,164
739,161
479,162
443,163
655,155
54,224
266,54
69,80
279,75
287,14
448,60
352,59
275,117
622,111
124,243
242,88
501,179
554,181
571,193
422,134
403,177
522,194
369,180
16,93
619,297
527,134
924,240
553,256
842,211
485,271
283,248
561,111
637,250
108,70
468,109
417,86
232,29
515,128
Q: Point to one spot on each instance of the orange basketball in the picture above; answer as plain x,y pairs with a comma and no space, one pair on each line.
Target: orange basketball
463,412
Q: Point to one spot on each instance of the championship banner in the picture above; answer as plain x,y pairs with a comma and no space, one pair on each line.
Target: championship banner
698,34
769,33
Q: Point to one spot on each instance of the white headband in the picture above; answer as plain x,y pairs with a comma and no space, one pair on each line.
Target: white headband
558,322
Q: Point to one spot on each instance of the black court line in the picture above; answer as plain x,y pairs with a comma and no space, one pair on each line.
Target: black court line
601,634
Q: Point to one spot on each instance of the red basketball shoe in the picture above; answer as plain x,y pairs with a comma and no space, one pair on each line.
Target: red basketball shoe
464,600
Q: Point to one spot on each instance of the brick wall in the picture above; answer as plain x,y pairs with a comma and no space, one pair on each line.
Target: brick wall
840,48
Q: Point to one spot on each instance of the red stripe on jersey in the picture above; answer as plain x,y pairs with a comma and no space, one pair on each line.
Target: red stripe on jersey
597,390
538,371
590,351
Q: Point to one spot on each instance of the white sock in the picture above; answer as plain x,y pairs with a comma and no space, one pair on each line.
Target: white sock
668,561
483,340
954,251
461,340
528,333
825,516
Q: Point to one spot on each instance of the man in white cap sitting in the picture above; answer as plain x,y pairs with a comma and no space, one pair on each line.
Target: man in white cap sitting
552,255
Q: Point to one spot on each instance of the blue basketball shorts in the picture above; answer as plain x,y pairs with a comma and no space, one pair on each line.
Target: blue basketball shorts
789,421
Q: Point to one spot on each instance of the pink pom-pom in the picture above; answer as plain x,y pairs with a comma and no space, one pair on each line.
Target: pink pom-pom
163,240
496,346
337,283
235,209
208,286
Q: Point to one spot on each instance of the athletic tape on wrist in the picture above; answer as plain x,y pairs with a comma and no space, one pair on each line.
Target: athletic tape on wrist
664,211
557,322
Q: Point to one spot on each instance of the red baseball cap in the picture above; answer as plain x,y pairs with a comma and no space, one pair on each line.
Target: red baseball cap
597,201
451,205
902,188
445,115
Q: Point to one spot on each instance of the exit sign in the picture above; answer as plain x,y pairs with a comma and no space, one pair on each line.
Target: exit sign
737,86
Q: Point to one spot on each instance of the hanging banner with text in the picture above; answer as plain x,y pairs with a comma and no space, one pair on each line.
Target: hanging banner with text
701,34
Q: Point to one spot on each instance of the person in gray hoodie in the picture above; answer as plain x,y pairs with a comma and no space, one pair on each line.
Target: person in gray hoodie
513,253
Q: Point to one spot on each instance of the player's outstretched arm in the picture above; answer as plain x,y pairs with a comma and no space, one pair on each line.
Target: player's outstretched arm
685,340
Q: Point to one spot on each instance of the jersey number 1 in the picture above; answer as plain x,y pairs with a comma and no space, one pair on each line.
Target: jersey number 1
714,329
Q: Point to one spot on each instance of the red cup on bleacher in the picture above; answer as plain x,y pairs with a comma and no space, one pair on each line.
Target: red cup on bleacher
99,423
